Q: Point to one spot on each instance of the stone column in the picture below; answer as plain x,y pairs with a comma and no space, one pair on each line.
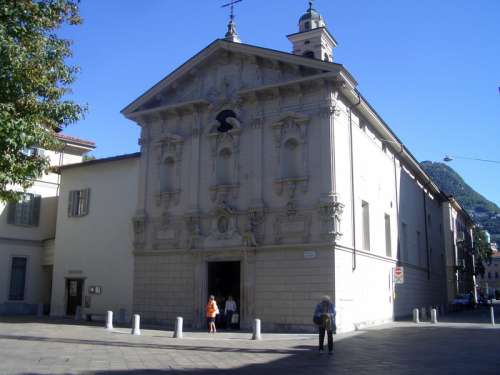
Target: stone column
194,163
200,291
247,309
327,150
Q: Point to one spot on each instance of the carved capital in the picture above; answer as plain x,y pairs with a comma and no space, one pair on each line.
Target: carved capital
330,213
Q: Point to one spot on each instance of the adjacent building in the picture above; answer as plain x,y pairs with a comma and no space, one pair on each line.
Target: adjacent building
27,232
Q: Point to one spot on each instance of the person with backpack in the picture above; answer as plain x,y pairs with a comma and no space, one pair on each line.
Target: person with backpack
324,318
212,311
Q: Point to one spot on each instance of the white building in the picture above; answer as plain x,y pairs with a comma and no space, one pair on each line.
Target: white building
27,231
93,263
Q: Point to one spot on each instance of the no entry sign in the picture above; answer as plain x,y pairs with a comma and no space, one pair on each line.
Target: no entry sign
399,275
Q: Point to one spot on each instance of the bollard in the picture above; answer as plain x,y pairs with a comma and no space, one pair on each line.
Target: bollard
136,330
78,313
415,316
39,310
109,321
492,313
178,328
256,330
434,316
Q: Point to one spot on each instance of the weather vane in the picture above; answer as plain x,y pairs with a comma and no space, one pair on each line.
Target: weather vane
231,4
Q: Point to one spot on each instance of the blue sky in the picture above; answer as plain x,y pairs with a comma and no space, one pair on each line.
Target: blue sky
430,68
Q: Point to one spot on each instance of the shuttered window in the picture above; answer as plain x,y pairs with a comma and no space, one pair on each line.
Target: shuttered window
26,211
17,279
78,204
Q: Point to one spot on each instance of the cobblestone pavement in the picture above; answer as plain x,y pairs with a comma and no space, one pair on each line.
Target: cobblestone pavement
453,347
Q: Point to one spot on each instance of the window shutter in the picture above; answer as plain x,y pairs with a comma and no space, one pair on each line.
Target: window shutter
11,213
35,212
86,195
71,203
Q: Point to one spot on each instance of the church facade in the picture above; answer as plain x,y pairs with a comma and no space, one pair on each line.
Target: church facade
262,175
267,176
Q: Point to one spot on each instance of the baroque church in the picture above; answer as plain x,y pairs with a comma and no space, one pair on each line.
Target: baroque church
265,176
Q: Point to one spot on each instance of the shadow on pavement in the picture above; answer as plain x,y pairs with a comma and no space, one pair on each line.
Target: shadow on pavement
400,350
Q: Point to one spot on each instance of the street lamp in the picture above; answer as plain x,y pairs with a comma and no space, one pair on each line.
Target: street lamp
449,158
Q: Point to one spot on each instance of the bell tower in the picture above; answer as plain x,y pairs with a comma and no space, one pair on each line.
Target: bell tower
313,39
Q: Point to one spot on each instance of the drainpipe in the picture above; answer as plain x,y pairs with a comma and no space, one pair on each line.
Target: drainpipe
353,203
424,194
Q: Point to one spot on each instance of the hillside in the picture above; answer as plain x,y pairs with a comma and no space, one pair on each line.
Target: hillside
481,209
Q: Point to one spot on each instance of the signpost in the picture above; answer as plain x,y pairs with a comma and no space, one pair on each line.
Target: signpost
399,275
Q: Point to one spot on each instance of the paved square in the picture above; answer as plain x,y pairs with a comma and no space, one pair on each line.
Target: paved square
453,347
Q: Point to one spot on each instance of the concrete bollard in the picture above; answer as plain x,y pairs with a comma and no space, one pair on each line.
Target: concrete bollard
109,320
178,328
434,318
256,330
78,313
416,318
492,314
136,330
39,310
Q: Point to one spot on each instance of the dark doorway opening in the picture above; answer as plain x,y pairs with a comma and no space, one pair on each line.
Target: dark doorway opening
74,291
224,281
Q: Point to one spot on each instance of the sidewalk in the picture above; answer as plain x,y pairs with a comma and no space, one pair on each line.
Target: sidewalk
29,346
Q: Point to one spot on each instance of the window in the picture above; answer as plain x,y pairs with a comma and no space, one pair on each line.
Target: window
496,275
366,225
489,275
388,242
17,278
404,242
226,120
224,167
167,175
26,211
419,249
308,25
291,159
78,202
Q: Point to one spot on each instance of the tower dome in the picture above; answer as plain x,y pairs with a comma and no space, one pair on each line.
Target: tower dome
311,19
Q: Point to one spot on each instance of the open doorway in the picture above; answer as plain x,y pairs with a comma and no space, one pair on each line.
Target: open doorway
74,291
224,281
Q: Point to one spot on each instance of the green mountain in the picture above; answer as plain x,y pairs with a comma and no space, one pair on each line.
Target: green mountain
483,211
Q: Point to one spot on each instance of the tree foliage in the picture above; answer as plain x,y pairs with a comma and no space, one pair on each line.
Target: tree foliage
482,249
34,79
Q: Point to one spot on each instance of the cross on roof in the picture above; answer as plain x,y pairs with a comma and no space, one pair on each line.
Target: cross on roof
231,4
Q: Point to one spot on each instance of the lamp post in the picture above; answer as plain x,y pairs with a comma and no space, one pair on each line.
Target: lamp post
449,158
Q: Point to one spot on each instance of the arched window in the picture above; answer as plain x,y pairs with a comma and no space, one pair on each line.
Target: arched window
291,159
326,57
309,54
167,175
224,167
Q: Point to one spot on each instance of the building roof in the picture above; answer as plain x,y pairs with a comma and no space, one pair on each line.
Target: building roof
79,141
99,161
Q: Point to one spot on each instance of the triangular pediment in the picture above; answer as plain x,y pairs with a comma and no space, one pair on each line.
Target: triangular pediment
223,70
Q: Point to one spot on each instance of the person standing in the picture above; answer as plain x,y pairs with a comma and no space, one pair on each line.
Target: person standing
324,318
212,310
229,310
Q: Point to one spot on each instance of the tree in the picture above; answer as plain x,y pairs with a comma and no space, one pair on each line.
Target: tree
34,79
482,249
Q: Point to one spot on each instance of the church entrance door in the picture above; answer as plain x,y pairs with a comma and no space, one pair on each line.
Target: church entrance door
224,281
